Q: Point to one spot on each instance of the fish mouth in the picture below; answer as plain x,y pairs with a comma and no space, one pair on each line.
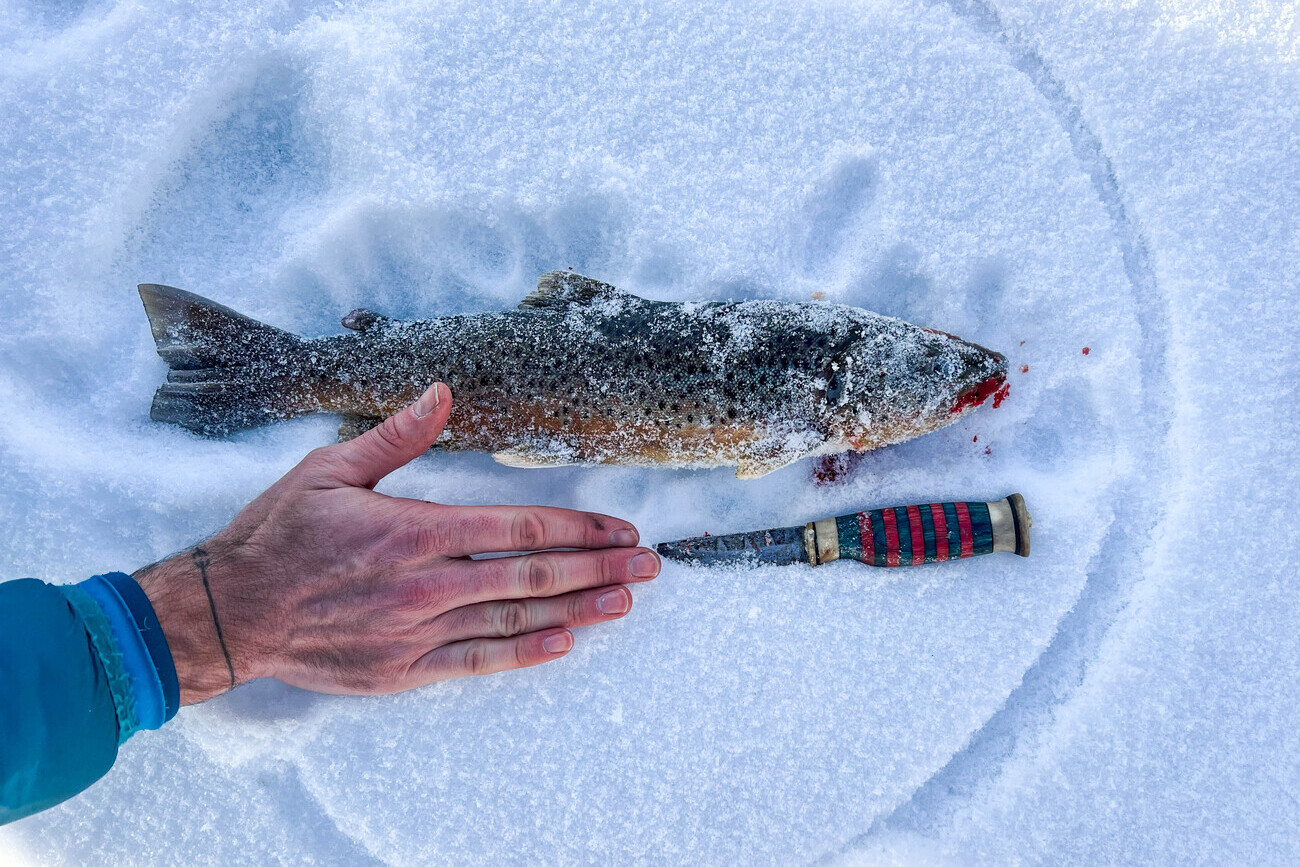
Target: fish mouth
993,385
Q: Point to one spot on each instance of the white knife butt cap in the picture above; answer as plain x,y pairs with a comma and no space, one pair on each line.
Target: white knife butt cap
1010,520
1020,514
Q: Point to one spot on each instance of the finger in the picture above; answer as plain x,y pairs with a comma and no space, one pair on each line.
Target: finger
401,437
505,618
490,655
553,573
484,529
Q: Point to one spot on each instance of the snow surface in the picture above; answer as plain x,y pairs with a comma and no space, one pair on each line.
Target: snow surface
1122,176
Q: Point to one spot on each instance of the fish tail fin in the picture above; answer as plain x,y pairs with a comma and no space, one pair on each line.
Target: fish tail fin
226,372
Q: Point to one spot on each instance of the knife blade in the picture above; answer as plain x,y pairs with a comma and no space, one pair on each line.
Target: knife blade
893,536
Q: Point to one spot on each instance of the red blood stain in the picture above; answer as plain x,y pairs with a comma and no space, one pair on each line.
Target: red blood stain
975,438
1022,343
1001,394
1024,368
831,469
977,395
988,450
1086,350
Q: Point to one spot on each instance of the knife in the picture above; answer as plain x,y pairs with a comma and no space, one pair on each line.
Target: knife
897,536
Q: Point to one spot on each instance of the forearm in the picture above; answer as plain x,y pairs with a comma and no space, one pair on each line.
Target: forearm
84,668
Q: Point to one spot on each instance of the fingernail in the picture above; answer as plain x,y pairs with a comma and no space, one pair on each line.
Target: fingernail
428,401
557,643
613,602
645,565
623,538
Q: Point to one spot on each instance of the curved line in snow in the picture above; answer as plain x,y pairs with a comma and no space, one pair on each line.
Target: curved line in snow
1139,503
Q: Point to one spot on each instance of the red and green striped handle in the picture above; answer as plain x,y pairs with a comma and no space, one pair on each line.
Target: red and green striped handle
924,533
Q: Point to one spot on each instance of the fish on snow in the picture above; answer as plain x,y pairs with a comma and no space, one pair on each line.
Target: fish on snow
582,372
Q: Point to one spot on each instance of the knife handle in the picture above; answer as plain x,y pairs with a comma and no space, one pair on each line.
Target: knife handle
925,533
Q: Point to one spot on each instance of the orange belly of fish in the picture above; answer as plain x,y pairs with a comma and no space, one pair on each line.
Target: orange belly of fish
491,427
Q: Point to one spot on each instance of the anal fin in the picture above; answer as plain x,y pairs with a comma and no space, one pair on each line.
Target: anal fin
354,426
528,456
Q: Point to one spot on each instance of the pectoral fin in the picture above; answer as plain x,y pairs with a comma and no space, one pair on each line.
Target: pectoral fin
754,466
533,457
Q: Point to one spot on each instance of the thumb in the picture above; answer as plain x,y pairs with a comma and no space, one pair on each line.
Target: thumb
401,437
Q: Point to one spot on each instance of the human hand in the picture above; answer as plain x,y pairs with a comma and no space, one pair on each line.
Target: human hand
325,584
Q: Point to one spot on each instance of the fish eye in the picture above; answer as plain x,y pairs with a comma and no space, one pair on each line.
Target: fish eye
835,376
834,388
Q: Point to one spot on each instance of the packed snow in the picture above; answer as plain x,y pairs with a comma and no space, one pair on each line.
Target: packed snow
1107,192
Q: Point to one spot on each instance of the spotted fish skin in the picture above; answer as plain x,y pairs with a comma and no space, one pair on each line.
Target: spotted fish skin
583,372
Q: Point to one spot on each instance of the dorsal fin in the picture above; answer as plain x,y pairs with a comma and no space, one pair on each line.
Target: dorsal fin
362,319
564,288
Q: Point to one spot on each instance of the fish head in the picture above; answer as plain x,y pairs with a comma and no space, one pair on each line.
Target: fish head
890,384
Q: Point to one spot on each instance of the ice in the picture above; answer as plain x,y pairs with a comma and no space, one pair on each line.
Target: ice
1036,179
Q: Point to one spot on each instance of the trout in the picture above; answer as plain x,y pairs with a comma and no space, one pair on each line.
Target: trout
582,372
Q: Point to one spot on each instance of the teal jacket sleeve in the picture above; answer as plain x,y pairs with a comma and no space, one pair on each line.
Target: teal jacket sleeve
82,668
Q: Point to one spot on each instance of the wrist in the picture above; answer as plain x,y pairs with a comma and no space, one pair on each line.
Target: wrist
138,644
186,592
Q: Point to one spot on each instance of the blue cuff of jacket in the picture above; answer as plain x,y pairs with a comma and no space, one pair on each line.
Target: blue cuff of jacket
129,642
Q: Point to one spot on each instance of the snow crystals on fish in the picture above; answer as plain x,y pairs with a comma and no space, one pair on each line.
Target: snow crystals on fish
583,372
